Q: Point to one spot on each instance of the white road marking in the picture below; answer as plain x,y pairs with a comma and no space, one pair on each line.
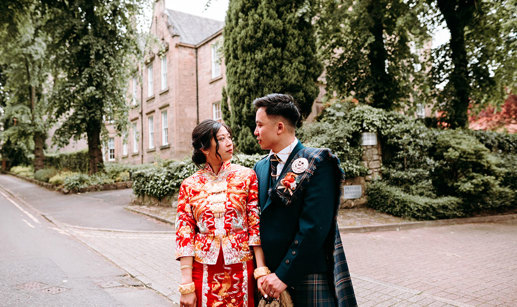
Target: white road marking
30,225
60,231
19,207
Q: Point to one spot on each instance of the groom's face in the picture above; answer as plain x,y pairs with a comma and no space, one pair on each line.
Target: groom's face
266,129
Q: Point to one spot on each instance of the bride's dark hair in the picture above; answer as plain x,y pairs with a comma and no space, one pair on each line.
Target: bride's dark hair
201,139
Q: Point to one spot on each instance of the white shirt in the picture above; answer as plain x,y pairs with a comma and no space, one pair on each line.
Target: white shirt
283,155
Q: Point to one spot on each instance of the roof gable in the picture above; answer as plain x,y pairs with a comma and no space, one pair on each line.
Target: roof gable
190,28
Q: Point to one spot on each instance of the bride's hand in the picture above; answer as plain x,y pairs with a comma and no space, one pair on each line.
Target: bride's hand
188,300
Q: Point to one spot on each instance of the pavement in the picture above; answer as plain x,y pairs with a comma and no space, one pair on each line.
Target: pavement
393,261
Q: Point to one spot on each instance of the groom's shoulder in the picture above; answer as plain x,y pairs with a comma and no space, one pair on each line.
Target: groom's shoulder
317,154
261,162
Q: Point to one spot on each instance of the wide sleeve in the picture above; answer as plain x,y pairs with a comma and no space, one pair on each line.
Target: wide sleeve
315,223
253,212
185,224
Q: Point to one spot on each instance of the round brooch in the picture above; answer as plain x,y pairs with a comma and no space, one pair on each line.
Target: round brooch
300,165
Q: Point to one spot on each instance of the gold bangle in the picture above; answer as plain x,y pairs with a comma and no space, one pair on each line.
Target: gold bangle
187,288
262,271
186,266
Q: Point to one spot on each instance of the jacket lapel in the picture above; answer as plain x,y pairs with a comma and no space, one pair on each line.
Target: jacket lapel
264,177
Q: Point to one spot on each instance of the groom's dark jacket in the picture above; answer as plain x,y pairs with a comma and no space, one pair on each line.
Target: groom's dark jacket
298,226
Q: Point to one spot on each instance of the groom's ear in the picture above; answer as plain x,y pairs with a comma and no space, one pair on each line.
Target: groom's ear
280,127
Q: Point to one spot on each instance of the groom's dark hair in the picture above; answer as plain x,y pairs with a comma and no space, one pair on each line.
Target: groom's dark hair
279,105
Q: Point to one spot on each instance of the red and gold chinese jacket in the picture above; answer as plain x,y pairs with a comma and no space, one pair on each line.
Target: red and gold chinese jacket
218,212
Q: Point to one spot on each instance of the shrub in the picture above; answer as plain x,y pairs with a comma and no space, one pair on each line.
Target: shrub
45,174
393,200
76,181
496,141
415,181
75,161
100,179
161,181
404,141
22,170
112,170
466,168
247,160
123,176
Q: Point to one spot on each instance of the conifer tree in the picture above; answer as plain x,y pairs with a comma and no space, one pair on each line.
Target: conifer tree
269,47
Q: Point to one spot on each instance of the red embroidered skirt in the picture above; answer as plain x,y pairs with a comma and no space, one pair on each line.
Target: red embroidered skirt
224,285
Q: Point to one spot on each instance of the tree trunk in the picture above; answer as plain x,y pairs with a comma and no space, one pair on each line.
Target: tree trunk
39,139
93,134
458,14
39,156
383,85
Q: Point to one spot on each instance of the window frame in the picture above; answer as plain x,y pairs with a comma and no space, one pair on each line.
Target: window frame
150,81
111,149
150,132
216,60
165,128
217,113
163,64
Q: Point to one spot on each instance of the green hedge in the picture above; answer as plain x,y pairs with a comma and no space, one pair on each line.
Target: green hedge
496,141
478,169
75,161
45,174
466,169
393,200
165,178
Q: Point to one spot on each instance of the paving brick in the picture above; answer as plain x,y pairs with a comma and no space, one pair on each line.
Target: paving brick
439,266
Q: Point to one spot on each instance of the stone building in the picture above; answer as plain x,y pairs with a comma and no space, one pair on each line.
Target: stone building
178,85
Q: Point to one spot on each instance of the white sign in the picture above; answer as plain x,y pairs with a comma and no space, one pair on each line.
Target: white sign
352,191
368,138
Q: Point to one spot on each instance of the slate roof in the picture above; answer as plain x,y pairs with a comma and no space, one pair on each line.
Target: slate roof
191,29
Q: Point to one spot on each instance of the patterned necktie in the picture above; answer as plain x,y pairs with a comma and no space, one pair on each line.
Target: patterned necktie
274,160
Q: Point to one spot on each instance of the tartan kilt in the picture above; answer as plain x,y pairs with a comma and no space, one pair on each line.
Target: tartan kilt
342,281
313,290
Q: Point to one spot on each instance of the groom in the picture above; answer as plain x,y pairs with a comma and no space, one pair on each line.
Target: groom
299,190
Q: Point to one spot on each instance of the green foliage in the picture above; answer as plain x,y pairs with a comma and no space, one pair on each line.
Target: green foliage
369,49
415,181
95,47
247,160
76,181
404,141
165,179
422,167
508,165
162,180
343,143
74,161
395,201
496,141
59,178
477,65
467,169
23,170
15,153
269,47
25,61
45,174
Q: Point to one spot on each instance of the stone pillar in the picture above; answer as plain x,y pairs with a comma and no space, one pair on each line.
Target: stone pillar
372,160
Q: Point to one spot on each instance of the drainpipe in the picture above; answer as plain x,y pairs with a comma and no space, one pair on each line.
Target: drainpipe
142,116
197,91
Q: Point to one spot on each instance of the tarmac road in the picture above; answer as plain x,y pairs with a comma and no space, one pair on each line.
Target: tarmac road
42,265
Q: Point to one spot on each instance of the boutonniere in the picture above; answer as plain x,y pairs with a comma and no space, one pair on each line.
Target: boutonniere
289,182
